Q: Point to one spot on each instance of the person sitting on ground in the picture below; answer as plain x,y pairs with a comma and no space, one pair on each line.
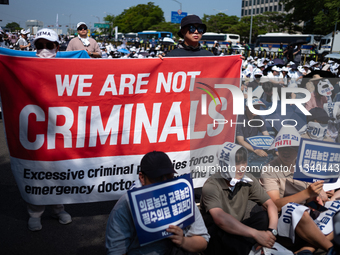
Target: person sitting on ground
121,236
223,205
277,179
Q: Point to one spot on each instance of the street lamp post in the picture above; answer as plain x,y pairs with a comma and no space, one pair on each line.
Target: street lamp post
220,11
251,21
96,17
180,4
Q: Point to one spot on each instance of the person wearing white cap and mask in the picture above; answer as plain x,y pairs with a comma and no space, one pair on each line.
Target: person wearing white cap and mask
23,43
299,234
83,42
223,205
47,45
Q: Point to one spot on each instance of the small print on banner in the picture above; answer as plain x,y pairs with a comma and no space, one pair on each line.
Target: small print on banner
317,160
155,207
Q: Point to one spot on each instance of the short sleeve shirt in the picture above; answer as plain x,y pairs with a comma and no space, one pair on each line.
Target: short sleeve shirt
215,194
121,235
275,176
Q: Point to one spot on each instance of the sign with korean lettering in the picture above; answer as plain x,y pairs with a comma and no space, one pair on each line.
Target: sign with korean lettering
260,142
325,219
317,160
155,207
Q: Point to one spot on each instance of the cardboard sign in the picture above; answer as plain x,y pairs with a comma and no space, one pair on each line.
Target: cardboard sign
317,160
155,207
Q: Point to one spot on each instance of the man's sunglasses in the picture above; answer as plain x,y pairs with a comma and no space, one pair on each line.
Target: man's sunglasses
82,28
49,45
193,28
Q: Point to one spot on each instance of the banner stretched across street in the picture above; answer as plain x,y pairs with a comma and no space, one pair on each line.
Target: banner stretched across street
77,128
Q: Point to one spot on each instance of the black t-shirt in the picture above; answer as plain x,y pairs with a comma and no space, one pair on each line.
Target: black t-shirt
188,51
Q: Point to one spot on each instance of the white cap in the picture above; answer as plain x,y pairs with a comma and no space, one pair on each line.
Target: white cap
24,32
258,72
215,41
47,34
81,23
285,69
287,136
312,62
290,63
277,69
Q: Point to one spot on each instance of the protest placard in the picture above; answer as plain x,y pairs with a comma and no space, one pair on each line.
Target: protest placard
155,207
261,142
317,160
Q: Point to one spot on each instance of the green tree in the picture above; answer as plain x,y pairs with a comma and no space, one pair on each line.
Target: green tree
268,22
219,23
110,19
319,16
139,18
13,26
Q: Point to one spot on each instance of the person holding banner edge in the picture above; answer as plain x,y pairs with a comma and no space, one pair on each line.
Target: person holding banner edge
47,45
121,236
289,195
83,42
192,29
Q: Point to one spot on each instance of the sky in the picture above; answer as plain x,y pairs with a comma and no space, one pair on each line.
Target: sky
70,12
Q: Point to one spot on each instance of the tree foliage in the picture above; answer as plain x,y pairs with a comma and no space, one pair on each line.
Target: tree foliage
109,19
319,16
139,18
13,26
219,23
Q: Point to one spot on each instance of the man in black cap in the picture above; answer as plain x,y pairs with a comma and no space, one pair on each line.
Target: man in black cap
191,31
121,236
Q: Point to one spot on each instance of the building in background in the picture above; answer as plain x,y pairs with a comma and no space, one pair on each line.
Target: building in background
260,6
34,26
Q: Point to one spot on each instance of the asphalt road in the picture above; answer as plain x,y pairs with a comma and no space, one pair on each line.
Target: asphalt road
85,235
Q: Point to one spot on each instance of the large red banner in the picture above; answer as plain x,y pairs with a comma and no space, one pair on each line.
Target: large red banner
80,124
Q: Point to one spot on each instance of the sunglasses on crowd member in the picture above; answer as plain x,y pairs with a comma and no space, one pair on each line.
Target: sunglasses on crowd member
48,45
82,28
193,28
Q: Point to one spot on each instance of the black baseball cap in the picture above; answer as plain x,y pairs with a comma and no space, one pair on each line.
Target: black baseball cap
155,164
190,19
318,114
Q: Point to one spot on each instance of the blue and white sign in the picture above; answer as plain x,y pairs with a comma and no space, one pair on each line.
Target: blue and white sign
317,160
177,18
155,207
260,142
325,219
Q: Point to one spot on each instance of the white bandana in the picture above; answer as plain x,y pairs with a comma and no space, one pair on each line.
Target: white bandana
316,130
85,41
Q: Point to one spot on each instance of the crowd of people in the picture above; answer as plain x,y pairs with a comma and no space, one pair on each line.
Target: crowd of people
220,226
